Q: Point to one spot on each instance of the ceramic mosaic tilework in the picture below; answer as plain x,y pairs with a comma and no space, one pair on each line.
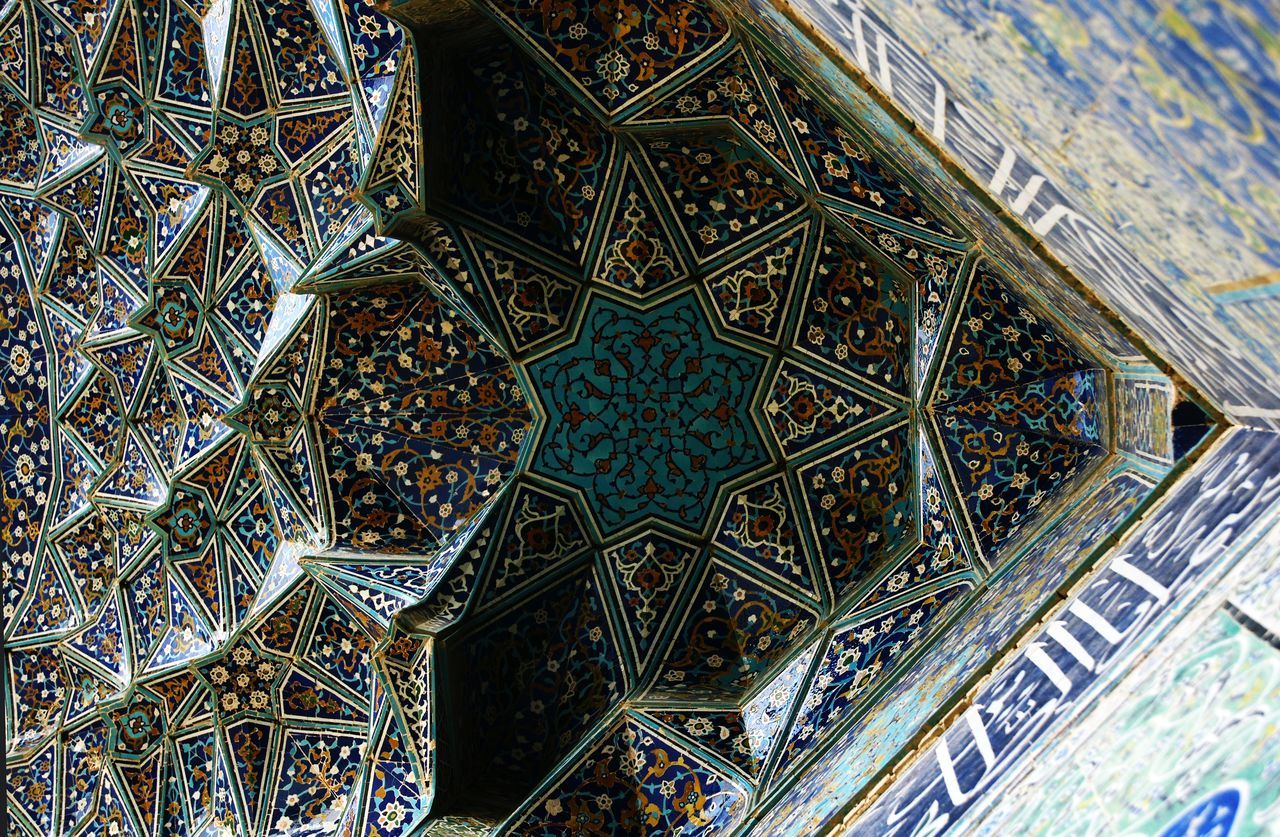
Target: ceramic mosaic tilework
1149,441
362,446
903,710
1121,79
1257,588
1142,197
1213,759
1139,590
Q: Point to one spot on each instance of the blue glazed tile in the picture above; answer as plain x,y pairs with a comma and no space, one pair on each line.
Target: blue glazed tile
397,423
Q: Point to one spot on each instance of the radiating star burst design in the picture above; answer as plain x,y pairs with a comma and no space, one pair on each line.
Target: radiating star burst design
578,442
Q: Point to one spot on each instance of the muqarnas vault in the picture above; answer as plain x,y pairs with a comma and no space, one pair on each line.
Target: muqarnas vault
553,417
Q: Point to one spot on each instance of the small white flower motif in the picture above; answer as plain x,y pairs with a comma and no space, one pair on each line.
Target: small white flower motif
985,492
734,88
391,815
632,760
836,166
25,467
613,66
698,726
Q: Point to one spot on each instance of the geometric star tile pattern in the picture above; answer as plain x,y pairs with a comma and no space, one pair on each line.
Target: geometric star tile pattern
647,413
574,441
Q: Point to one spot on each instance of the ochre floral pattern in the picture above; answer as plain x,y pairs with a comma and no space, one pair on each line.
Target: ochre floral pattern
589,409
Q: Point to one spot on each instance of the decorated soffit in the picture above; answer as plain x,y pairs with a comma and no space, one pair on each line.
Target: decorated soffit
554,417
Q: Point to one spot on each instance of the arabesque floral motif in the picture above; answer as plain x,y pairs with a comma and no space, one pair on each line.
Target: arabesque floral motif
587,408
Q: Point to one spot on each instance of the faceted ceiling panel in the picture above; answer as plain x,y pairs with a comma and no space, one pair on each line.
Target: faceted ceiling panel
576,440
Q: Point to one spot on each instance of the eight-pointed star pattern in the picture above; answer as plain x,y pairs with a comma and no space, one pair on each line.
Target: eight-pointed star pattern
672,392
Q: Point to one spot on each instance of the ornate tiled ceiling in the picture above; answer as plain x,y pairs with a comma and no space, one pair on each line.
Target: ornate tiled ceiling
567,427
